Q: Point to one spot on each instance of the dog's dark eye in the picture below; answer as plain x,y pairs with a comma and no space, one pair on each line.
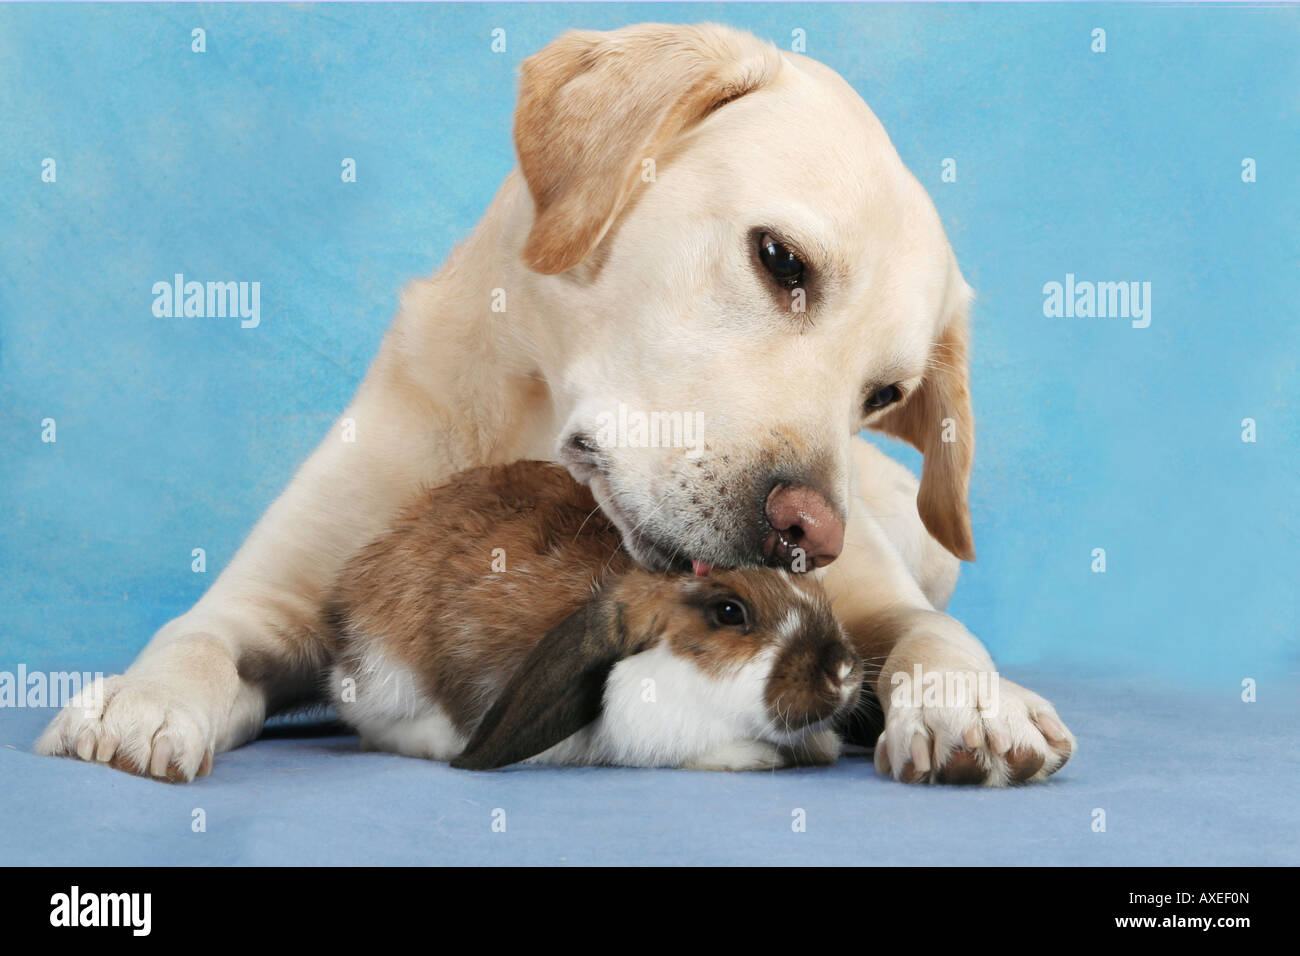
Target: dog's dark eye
884,396
729,612
779,260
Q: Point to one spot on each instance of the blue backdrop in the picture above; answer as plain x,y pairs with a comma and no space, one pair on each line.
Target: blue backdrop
174,434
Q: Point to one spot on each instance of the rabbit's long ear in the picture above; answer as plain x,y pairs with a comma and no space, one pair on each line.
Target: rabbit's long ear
556,692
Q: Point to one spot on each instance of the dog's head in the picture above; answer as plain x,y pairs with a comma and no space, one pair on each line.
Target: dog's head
740,274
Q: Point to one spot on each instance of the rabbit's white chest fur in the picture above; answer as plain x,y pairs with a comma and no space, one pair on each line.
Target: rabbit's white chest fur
660,710
382,699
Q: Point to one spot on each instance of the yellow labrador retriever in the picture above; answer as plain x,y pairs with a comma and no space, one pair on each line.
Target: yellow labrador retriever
703,231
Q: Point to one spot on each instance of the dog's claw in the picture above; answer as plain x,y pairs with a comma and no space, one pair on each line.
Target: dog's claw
134,726
1016,739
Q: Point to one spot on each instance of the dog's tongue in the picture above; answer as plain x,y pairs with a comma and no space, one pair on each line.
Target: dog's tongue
701,568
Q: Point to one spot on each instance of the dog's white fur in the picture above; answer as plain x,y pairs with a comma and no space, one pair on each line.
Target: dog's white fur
645,293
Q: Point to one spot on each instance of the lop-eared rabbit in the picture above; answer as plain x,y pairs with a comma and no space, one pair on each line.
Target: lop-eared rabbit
500,620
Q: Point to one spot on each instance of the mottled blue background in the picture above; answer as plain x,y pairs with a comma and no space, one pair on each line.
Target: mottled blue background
175,433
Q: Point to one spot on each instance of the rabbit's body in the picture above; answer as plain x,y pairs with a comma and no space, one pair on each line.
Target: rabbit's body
501,614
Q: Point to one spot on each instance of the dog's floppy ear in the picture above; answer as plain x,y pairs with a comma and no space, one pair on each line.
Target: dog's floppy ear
556,692
938,420
594,106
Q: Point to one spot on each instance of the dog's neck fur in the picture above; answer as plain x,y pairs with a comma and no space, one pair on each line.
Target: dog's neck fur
476,314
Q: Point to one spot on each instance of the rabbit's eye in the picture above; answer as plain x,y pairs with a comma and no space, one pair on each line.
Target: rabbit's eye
728,612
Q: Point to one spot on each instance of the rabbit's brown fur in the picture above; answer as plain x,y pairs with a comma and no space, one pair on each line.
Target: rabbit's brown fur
433,574
476,574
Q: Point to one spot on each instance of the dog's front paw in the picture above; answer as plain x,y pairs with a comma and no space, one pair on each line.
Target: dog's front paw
133,725
1001,735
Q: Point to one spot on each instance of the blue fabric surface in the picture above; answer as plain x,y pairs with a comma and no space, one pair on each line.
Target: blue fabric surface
1184,777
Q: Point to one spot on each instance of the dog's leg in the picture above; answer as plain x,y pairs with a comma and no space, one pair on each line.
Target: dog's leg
255,642
949,716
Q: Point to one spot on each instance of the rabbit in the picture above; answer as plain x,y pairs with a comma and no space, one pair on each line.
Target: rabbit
500,620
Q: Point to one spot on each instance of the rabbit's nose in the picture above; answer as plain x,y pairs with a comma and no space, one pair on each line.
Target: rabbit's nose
836,663
802,519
